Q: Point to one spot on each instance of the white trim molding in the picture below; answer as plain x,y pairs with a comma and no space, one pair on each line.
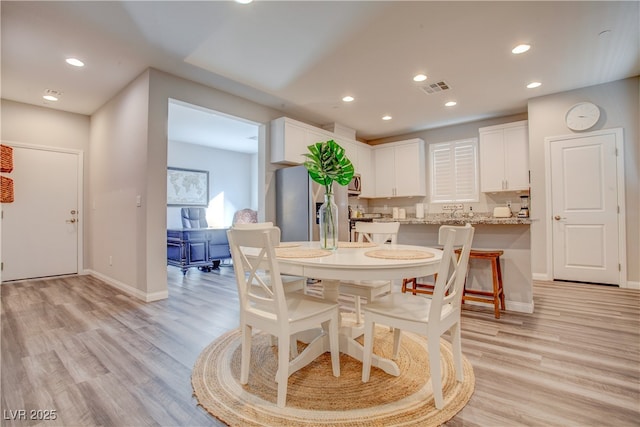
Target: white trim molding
128,289
633,285
543,277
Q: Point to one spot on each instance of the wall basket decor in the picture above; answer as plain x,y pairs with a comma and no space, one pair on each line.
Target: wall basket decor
6,158
6,190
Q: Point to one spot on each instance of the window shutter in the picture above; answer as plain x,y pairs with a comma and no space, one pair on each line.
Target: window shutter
454,171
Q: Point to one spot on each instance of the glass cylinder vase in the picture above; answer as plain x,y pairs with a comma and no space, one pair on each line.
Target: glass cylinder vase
328,214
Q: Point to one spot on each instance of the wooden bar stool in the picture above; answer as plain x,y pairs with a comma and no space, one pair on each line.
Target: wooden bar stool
496,297
416,287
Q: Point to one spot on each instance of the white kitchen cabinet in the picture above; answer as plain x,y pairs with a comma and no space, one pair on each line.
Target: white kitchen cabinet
350,148
504,157
400,169
366,171
290,139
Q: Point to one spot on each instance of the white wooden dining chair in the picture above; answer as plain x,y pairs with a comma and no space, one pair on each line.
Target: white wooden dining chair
265,306
374,232
430,317
291,283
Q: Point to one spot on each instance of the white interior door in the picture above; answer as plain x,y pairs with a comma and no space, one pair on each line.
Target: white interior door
40,235
585,209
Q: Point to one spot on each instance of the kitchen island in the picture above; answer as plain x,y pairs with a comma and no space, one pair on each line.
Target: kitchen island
511,235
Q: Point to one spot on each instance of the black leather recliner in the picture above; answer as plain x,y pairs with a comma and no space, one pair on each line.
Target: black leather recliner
194,218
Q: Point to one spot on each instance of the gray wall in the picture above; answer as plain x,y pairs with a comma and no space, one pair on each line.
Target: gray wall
619,103
128,157
231,180
486,201
118,175
30,124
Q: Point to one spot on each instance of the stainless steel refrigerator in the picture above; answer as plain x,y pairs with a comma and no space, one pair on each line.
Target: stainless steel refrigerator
298,198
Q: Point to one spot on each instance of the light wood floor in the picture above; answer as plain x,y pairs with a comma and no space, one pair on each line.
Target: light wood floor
99,357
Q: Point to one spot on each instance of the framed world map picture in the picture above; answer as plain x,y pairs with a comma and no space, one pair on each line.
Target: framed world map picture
187,187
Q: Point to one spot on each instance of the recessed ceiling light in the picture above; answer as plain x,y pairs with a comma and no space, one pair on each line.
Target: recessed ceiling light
243,1
533,85
419,78
52,95
450,104
348,98
75,62
521,48
386,117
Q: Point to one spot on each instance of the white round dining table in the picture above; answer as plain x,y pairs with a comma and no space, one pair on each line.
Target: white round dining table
350,262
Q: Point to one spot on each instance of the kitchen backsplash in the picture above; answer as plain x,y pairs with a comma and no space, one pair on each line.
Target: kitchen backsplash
487,203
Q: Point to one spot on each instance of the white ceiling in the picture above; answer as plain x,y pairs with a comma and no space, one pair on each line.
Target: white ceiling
196,125
302,57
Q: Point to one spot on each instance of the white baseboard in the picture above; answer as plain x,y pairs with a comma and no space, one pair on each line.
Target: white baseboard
520,307
633,285
137,293
541,276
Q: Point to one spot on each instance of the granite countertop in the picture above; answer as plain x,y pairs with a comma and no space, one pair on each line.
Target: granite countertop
446,219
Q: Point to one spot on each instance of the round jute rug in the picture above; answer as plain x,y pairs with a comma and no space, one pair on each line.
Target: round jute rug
316,398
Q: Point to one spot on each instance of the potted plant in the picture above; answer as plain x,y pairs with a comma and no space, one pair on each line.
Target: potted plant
327,163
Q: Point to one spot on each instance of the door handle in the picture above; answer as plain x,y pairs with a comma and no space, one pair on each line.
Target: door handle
558,217
70,221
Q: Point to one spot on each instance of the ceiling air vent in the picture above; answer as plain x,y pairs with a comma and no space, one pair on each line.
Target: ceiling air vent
435,87
53,92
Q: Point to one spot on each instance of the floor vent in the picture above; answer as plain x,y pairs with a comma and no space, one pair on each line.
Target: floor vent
435,87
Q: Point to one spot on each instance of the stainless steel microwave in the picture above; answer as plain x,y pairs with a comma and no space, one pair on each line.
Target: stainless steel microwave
355,186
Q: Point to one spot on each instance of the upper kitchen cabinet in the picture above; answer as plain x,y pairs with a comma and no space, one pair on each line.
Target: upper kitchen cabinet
400,169
360,155
350,150
290,139
366,171
504,157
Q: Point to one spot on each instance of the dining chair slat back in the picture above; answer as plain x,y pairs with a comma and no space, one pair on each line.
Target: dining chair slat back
264,305
291,283
379,233
427,316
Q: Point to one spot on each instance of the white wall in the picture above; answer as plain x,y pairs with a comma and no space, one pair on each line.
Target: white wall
231,180
619,103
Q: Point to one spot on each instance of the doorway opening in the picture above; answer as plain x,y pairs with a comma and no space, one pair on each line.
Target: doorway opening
225,149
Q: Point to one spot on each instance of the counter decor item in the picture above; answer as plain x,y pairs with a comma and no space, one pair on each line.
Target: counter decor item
327,163
419,210
502,212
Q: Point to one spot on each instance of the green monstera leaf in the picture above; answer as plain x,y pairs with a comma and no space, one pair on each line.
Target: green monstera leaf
327,162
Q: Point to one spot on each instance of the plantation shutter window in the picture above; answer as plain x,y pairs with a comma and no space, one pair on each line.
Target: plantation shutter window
454,171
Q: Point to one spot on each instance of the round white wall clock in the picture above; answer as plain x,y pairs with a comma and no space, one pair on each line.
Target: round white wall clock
582,116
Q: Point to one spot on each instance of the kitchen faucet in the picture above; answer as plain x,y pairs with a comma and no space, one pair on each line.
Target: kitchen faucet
454,210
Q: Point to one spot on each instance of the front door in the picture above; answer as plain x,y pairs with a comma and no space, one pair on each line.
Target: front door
585,219
40,234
